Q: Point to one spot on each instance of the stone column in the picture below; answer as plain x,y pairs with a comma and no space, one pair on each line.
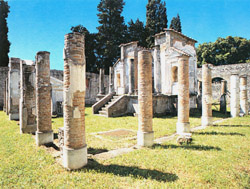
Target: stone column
101,82
235,96
44,133
111,79
14,91
131,76
243,95
199,96
145,135
207,98
4,96
27,112
157,70
7,96
183,125
75,148
223,99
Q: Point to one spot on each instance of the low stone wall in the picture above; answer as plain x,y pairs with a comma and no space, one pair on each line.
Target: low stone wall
3,76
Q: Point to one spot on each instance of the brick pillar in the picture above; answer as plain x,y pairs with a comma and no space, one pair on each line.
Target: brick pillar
223,99
183,125
44,133
157,70
145,135
14,91
101,82
207,98
243,95
235,96
131,79
111,79
27,112
75,148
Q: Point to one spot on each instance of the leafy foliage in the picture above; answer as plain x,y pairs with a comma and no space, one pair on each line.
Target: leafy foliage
137,32
156,17
229,50
4,42
176,23
90,48
111,32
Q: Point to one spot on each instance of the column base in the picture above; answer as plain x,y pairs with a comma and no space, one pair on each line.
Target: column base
206,121
44,138
145,139
182,128
14,116
28,129
75,158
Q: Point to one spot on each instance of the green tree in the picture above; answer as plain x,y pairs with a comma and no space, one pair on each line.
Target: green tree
176,23
136,32
111,32
156,19
4,42
229,50
90,48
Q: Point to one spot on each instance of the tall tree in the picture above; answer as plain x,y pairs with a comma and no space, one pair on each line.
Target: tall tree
90,48
4,42
229,50
136,32
176,23
111,32
156,19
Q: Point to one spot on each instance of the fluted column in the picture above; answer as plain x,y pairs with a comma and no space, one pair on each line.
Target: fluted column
101,82
131,76
243,95
183,125
157,70
223,99
75,148
207,98
44,133
145,135
235,96
111,79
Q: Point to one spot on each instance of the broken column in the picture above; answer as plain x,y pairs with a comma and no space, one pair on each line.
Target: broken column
13,88
44,133
207,98
235,96
131,80
145,135
27,98
101,82
111,79
157,70
223,99
183,125
75,148
243,95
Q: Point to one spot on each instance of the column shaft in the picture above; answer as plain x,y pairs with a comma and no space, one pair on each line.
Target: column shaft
223,100
235,97
101,81
145,135
157,70
131,76
111,79
206,95
243,95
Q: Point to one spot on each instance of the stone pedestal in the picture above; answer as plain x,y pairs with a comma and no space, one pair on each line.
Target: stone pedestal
145,135
44,134
13,90
207,98
75,148
183,125
27,111
235,96
243,95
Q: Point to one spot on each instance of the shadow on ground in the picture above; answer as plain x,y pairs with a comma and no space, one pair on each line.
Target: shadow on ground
231,126
95,151
131,171
189,147
218,133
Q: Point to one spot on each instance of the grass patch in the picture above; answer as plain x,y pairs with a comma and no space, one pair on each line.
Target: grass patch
219,157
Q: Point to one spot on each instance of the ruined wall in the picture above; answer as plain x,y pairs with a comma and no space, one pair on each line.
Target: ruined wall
3,76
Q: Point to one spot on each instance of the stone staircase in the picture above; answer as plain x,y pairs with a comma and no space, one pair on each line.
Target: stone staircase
103,110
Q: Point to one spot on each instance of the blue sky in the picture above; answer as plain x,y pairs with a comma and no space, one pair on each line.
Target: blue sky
40,25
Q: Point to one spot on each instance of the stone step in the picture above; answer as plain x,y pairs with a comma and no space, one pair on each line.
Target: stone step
104,109
103,113
115,97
